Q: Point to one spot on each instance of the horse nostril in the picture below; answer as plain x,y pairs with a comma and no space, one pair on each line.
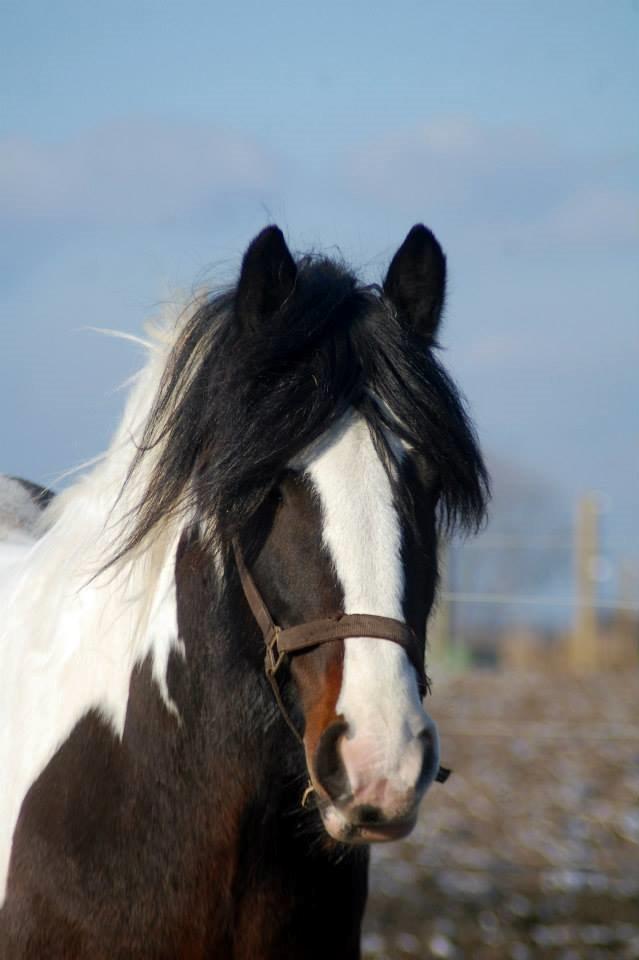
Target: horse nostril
329,767
430,760
367,815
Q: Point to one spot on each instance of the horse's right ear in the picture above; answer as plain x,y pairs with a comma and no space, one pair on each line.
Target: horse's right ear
266,279
416,282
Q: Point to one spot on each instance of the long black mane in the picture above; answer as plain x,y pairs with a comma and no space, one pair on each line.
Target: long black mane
238,401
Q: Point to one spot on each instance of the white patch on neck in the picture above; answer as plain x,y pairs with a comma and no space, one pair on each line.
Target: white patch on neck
70,640
379,697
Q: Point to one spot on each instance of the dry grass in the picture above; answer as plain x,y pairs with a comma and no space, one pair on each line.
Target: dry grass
532,847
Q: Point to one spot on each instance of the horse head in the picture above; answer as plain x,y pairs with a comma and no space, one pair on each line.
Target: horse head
349,527
305,421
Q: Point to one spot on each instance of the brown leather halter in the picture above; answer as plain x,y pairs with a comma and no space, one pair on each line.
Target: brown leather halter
280,643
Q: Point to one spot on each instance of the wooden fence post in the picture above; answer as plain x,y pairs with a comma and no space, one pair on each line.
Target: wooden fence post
584,652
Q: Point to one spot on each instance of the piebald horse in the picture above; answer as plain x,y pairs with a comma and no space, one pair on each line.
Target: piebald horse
212,644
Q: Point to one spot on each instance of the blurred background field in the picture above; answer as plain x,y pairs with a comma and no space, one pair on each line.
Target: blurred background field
531,849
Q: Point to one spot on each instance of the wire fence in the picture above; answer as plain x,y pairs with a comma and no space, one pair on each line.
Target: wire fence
514,599
558,590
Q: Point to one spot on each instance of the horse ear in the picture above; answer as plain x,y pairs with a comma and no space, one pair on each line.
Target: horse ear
416,281
267,277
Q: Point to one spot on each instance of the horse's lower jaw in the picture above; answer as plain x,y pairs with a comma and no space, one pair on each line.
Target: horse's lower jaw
340,828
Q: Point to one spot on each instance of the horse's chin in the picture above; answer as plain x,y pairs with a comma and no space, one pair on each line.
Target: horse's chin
340,828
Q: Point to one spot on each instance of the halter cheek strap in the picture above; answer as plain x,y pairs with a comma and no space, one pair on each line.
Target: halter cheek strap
281,643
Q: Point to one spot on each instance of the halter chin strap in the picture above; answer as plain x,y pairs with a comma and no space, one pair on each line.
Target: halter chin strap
281,643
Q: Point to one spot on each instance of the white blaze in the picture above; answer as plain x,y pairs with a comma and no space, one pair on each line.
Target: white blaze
379,696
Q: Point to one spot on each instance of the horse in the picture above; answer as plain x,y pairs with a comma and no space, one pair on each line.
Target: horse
212,643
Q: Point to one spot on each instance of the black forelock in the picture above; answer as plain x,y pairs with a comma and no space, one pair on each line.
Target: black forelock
237,404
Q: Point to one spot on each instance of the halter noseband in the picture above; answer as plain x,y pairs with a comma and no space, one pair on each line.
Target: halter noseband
280,643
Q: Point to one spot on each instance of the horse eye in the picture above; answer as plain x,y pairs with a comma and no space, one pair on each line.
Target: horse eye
277,494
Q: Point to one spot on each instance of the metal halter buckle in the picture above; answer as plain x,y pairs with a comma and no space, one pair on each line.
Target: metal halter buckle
307,796
274,656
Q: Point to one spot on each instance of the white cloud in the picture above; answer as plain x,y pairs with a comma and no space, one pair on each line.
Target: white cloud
128,172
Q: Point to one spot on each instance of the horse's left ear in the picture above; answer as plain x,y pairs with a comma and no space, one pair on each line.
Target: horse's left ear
266,279
416,281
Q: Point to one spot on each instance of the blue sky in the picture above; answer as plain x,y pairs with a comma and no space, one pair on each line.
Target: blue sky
143,144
